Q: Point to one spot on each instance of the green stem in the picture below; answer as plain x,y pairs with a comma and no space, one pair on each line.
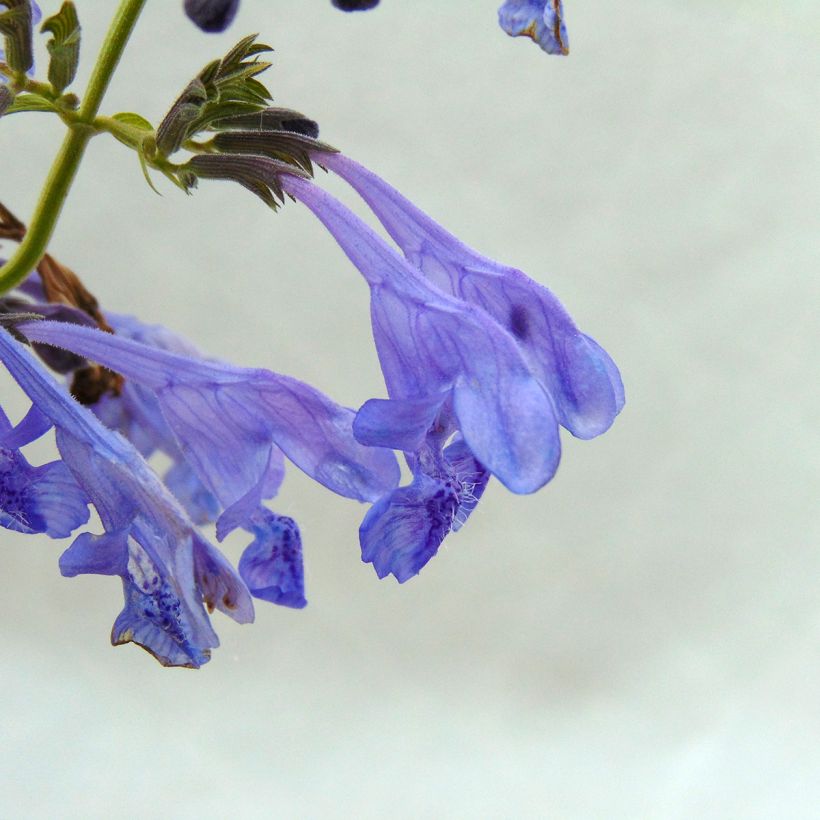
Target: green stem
65,165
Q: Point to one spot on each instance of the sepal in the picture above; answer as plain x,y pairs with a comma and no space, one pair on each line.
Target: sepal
16,27
271,565
64,46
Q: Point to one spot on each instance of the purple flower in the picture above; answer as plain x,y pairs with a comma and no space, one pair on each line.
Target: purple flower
167,568
233,426
581,378
540,20
43,499
212,15
449,368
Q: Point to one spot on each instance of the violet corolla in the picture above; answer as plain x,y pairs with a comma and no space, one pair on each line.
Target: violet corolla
167,568
579,375
463,400
540,20
234,426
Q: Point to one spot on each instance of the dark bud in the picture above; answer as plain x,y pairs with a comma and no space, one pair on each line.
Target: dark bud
16,28
176,125
260,175
64,47
285,146
212,15
6,99
355,5
271,119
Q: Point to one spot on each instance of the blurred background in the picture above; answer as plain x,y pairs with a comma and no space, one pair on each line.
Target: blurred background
638,639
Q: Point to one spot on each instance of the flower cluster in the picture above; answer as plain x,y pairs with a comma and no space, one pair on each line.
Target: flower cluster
482,366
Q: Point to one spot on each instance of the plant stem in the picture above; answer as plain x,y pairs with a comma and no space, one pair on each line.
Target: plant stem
65,165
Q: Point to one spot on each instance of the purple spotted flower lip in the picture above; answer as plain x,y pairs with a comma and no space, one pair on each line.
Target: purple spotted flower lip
168,569
540,20
463,403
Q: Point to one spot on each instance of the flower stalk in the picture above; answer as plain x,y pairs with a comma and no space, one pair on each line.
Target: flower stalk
67,162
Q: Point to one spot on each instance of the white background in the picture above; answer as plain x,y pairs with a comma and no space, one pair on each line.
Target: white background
639,639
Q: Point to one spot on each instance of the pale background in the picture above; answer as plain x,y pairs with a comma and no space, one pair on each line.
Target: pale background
640,639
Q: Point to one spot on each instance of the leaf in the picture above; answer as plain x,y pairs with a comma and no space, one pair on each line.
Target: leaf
132,129
31,102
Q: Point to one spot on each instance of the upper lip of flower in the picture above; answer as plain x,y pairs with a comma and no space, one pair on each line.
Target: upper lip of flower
431,343
579,375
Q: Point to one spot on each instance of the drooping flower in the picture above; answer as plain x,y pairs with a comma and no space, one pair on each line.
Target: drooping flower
579,375
540,20
167,568
212,15
450,369
233,426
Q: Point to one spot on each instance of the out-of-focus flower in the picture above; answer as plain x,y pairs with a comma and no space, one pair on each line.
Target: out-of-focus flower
579,375
540,20
212,15
167,568
233,425
449,368
355,5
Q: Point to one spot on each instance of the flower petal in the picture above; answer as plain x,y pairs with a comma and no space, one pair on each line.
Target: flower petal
540,20
400,424
105,554
271,565
226,419
403,530
219,584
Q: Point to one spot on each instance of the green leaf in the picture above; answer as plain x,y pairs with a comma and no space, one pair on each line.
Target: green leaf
131,129
64,46
31,102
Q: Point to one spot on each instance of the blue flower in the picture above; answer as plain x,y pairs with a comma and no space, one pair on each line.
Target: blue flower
540,20
450,369
579,375
233,426
43,499
167,568
212,15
